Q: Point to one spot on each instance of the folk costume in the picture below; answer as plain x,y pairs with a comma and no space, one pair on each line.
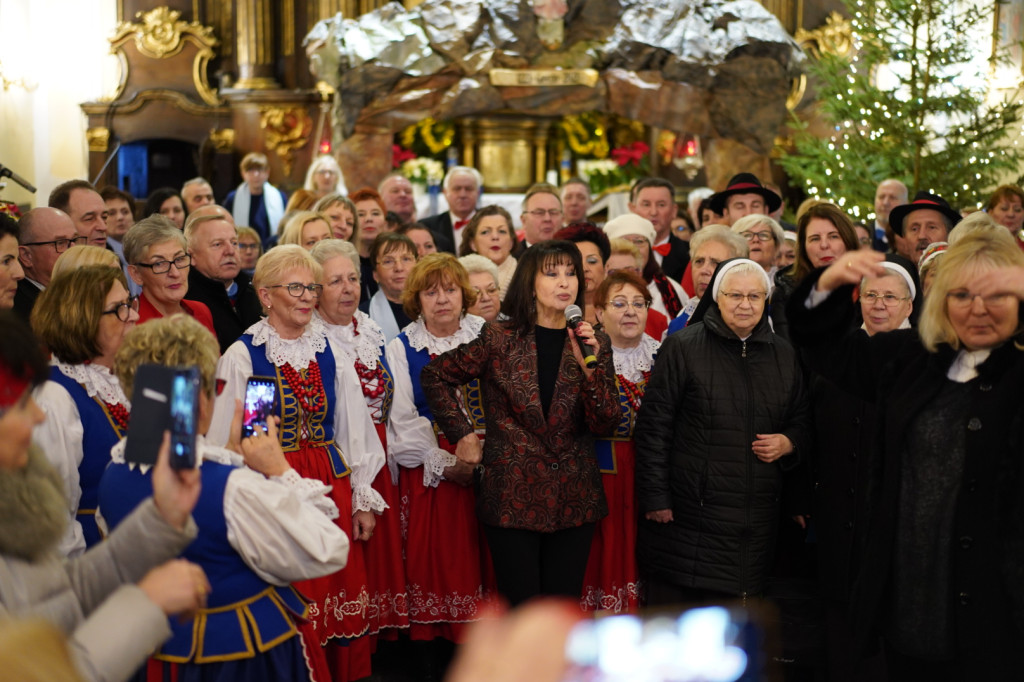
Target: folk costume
87,413
611,582
446,566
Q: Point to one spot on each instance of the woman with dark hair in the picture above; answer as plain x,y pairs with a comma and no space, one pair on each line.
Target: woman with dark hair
490,233
540,495
595,249
167,202
622,302
370,222
10,268
82,317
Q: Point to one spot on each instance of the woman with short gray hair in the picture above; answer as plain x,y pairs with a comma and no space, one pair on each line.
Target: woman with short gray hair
158,261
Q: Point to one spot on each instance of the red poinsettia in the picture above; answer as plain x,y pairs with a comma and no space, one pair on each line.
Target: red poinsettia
400,156
632,155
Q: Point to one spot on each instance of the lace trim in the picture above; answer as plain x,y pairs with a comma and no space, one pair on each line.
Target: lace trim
98,381
363,346
631,363
295,352
434,464
310,491
365,498
420,338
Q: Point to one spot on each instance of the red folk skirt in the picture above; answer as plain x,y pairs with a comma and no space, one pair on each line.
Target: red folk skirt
385,557
338,602
611,582
447,564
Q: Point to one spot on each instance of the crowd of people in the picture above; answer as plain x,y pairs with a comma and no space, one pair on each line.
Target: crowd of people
639,413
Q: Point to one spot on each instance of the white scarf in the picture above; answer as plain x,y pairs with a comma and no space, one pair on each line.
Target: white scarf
380,312
271,202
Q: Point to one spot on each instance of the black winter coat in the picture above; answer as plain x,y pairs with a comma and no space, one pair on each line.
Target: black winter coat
709,395
987,548
229,321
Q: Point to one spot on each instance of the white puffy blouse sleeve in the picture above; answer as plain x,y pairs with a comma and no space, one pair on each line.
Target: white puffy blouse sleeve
411,438
356,435
60,438
279,526
234,369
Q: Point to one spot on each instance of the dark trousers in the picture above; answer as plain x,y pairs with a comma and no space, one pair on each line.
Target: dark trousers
529,563
660,593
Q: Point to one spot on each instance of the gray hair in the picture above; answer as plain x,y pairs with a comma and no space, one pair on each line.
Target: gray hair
749,222
474,262
147,233
326,249
467,170
736,244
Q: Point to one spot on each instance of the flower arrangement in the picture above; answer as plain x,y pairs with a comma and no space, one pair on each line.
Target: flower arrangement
400,155
423,171
627,163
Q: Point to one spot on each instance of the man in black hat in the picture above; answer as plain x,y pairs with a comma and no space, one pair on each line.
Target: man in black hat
925,220
744,195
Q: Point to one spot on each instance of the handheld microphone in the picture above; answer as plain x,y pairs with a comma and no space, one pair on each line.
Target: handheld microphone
574,317
6,172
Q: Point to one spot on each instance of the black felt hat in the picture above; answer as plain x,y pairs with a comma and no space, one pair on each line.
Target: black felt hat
921,200
745,183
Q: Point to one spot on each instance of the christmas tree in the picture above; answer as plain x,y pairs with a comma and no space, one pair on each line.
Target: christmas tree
910,101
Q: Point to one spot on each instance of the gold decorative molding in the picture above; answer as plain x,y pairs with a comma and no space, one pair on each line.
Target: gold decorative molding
834,37
98,139
161,35
285,129
544,77
223,139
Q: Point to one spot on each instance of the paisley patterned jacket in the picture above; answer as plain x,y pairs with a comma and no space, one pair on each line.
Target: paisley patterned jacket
539,474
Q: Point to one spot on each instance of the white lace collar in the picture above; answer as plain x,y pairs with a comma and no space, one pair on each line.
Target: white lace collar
631,363
98,381
204,451
420,338
295,352
365,346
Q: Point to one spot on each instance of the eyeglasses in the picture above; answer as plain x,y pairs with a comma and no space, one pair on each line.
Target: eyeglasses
965,299
491,291
540,212
162,266
888,300
59,245
637,305
388,262
248,247
635,240
752,298
757,236
296,289
124,310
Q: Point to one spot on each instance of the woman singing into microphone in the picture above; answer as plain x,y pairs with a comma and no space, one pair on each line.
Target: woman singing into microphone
540,494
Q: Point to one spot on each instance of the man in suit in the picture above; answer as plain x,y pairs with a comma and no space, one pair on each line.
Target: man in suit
216,278
541,217
461,189
43,234
654,199
84,205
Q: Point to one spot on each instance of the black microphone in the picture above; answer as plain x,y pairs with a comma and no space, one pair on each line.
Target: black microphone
574,317
8,173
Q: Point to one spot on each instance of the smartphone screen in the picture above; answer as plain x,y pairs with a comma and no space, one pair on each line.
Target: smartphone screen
706,644
260,399
184,417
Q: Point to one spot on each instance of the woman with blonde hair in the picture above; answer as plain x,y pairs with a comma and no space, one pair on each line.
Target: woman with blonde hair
340,213
325,430
324,177
84,255
940,576
305,228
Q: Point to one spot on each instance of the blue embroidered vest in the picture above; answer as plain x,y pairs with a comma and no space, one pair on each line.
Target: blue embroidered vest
319,426
472,396
244,614
605,448
99,433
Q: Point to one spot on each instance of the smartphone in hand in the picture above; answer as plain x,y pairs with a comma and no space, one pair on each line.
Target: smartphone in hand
260,403
164,399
